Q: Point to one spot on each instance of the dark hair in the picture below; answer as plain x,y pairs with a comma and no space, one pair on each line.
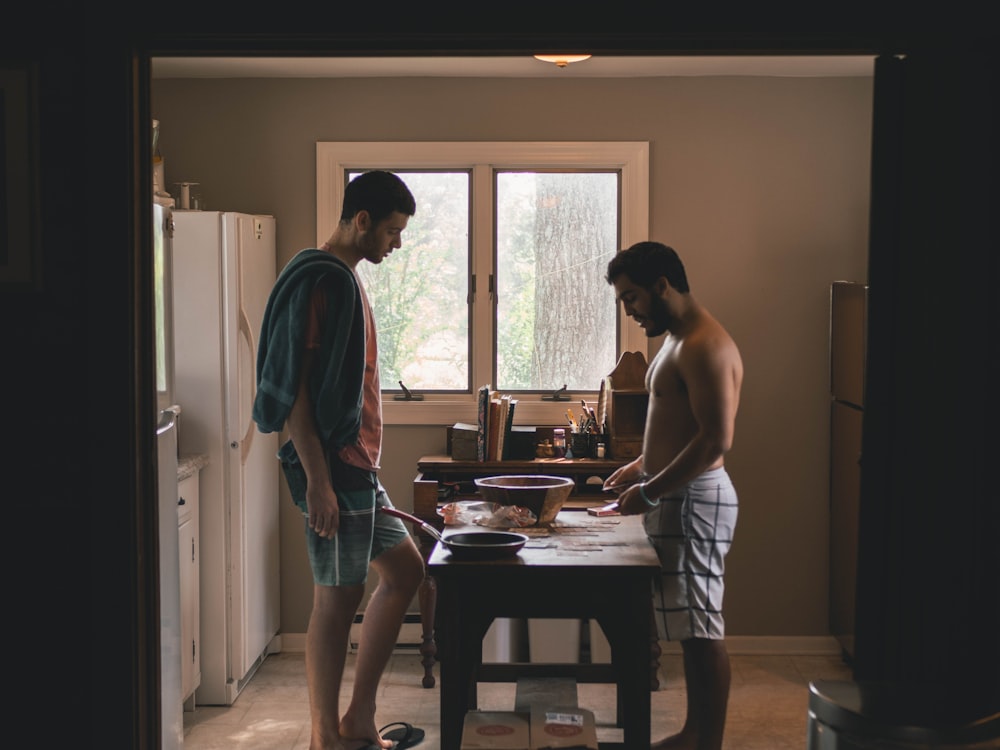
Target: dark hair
379,193
645,262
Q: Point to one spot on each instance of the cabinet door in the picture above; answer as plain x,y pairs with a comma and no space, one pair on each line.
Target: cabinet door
187,532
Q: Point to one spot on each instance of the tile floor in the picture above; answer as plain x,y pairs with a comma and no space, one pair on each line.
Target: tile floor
767,704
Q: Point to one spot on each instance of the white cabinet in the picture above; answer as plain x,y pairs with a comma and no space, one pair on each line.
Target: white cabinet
187,531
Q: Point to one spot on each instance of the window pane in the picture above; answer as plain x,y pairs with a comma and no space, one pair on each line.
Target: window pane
419,293
556,314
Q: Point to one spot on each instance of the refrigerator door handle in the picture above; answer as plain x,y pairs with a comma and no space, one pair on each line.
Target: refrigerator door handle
247,332
168,418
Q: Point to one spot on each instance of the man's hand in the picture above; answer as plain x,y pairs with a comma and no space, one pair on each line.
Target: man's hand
324,512
624,476
630,502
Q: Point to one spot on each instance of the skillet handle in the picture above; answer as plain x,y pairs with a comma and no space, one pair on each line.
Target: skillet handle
413,519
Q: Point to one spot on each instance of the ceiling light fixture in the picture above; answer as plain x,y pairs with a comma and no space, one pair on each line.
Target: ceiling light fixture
562,61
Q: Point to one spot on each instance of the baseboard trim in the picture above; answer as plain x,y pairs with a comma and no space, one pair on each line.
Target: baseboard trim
772,645
411,636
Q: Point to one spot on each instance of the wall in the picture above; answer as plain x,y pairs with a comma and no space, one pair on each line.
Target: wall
762,185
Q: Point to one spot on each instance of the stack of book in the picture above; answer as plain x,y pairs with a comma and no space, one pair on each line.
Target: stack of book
495,421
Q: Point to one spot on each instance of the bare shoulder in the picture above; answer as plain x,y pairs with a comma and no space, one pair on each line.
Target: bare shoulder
709,341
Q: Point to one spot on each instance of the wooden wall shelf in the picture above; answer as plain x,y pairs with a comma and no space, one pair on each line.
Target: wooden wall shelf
627,403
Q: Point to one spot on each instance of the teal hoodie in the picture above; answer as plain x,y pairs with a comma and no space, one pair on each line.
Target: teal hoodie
336,382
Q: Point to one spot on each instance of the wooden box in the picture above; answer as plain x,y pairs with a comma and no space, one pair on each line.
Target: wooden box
522,443
462,441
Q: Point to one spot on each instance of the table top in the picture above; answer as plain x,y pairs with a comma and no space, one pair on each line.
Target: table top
575,539
512,466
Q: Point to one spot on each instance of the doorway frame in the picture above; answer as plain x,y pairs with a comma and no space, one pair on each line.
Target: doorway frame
146,676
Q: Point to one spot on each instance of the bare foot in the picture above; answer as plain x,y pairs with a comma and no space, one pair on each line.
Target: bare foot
356,736
351,743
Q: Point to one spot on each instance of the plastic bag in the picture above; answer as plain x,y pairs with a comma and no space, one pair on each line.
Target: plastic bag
511,516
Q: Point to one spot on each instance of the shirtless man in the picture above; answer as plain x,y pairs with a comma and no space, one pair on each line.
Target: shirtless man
679,481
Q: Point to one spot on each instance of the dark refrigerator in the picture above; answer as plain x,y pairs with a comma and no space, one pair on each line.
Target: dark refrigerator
848,326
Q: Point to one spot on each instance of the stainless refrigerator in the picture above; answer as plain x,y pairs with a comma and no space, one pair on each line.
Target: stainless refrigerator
848,328
171,716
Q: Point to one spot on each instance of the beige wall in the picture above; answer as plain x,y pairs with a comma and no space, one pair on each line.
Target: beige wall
761,184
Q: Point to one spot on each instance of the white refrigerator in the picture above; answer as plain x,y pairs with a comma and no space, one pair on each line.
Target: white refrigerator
224,268
848,342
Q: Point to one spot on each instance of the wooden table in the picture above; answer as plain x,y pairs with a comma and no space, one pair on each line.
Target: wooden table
436,471
583,567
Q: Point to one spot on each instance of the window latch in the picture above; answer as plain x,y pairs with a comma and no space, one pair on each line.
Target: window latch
559,395
406,395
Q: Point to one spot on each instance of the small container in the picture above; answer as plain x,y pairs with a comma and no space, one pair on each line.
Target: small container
579,444
600,450
559,442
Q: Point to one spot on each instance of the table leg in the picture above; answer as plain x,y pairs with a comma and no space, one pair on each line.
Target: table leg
635,699
626,626
460,654
654,651
461,629
427,596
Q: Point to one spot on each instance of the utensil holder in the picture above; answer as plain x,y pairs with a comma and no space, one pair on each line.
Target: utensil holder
584,445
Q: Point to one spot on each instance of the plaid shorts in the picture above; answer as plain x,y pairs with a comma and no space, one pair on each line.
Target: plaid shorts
364,533
692,530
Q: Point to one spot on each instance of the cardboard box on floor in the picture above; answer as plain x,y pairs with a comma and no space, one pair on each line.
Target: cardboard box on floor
562,727
549,728
496,730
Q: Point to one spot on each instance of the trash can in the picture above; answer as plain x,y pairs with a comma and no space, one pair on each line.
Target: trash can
503,641
890,716
600,649
553,640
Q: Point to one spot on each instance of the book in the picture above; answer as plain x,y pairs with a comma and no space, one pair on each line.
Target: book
505,452
483,422
493,433
502,427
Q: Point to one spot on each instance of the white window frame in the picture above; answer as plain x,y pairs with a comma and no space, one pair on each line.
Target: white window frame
335,158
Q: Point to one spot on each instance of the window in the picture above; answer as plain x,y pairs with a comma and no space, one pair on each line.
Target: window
419,294
500,279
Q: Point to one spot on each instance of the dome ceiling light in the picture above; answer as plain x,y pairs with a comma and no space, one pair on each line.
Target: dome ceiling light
561,61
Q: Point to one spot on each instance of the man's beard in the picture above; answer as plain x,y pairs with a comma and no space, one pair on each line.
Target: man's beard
372,251
659,317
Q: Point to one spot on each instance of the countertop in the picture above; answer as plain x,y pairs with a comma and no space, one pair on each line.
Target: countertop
190,463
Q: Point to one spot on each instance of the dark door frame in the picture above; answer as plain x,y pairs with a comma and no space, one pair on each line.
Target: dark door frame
131,72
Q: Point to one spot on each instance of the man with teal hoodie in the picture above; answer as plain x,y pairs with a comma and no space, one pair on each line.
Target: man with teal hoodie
317,373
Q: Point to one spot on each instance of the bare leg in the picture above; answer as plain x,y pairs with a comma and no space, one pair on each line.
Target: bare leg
400,571
707,676
326,652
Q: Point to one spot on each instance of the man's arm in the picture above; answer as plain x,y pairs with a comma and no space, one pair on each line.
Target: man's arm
321,500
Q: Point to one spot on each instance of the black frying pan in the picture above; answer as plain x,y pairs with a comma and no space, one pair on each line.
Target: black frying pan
470,545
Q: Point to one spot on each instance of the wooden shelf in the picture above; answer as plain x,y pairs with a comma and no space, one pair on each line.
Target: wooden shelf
627,404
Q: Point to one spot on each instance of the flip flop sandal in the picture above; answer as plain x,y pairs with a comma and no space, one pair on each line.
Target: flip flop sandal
406,735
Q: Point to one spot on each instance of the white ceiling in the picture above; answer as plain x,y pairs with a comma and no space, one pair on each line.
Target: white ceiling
510,67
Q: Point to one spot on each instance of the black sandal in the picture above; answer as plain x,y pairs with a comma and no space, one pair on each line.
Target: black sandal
405,736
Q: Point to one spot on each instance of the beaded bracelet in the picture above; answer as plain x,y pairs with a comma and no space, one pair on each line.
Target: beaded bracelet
645,498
